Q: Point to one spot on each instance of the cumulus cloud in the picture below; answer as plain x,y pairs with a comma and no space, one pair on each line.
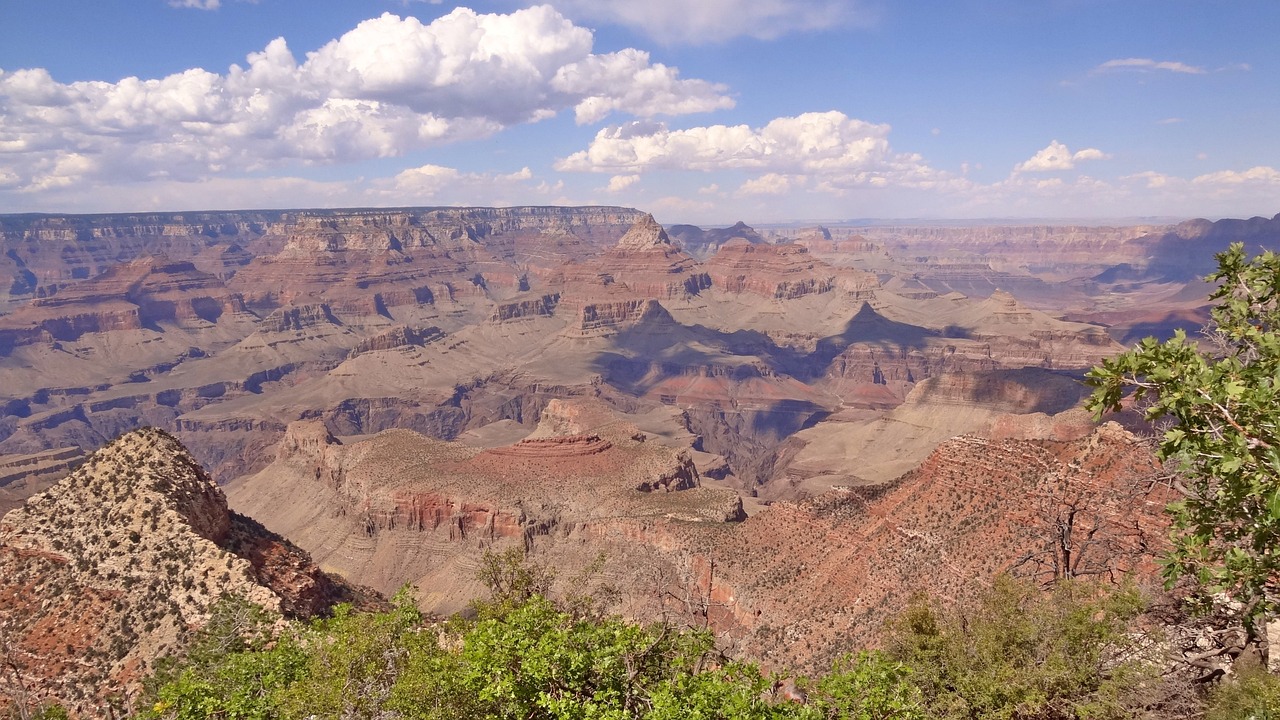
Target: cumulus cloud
627,81
1261,175
1058,157
618,183
704,21
1147,64
767,184
440,184
1154,180
841,151
424,185
389,86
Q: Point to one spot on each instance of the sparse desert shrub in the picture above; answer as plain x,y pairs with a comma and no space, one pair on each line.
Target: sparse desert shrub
1253,694
1021,653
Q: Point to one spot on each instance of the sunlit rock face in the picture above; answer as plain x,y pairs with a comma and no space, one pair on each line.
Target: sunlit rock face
114,566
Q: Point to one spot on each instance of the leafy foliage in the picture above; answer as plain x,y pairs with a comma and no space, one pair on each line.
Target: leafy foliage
1252,694
232,670
1018,653
512,579
1021,653
1224,399
352,662
523,656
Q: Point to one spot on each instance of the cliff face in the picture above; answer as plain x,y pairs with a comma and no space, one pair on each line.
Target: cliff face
604,318
1186,252
702,244
46,251
126,297
115,566
445,320
400,507
643,264
40,251
772,271
799,581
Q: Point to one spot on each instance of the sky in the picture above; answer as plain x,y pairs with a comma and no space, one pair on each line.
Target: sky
700,111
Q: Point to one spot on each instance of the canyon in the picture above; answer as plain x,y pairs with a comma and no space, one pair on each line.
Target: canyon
777,432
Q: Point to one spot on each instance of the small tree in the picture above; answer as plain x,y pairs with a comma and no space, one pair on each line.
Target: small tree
1222,396
512,579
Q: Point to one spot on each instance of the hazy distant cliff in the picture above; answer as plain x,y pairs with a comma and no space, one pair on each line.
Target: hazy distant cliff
39,251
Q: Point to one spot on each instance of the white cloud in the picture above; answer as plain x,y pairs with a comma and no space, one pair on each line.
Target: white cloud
618,183
197,4
627,81
839,150
439,184
1261,175
767,184
424,185
1058,157
1147,64
1089,154
1154,180
707,21
389,86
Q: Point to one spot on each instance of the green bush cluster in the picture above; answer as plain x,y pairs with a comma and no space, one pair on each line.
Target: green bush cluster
520,656
531,660
1016,652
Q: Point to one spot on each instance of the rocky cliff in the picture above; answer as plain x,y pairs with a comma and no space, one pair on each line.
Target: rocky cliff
114,567
801,582
643,264
400,507
126,297
38,251
771,271
702,244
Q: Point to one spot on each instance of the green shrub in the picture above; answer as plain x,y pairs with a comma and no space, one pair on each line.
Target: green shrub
1021,652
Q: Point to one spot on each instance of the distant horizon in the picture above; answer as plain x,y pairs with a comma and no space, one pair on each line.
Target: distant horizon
798,223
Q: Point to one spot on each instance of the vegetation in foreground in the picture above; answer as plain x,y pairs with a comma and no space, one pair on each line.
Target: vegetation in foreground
1222,396
1017,652
524,656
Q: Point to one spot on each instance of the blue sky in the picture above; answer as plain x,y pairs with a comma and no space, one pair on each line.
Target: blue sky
704,111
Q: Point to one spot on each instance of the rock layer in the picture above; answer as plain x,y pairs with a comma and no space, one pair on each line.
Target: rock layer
115,565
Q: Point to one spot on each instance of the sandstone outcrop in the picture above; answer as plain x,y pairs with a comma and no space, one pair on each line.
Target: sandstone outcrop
518,309
398,337
798,582
400,507
702,244
604,318
43,250
114,567
126,297
772,271
643,264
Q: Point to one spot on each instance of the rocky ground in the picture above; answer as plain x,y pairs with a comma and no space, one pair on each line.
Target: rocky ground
114,566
